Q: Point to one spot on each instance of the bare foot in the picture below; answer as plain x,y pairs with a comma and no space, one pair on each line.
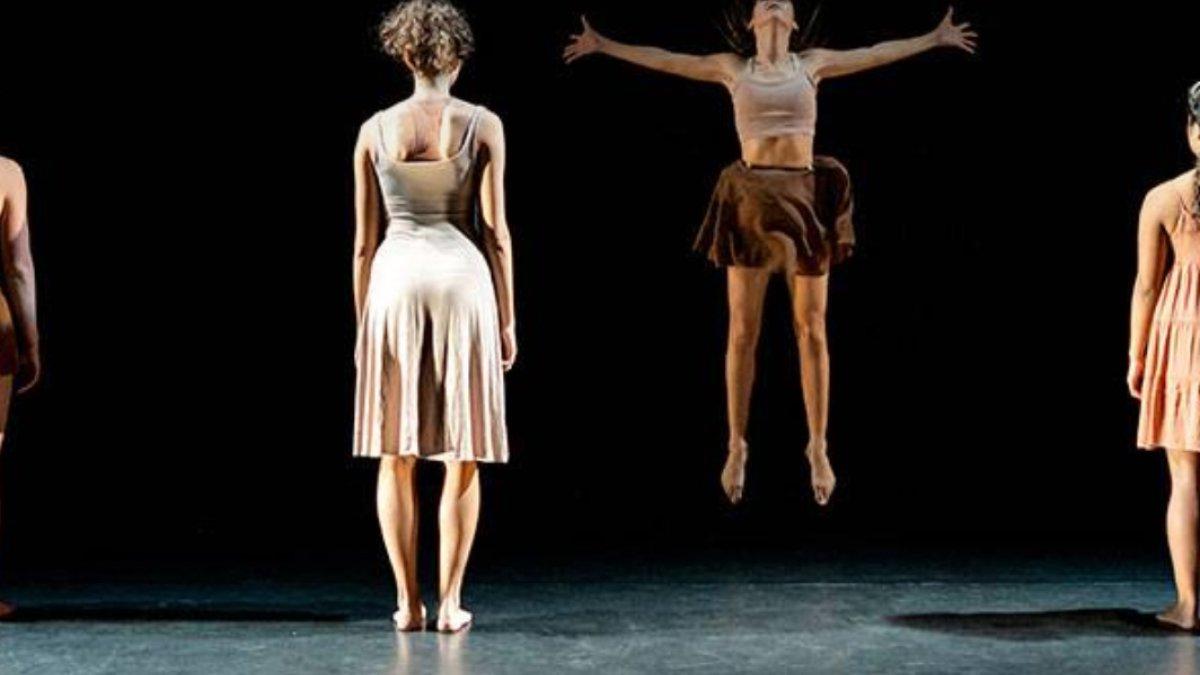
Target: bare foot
1179,615
452,619
823,480
733,476
408,621
6,610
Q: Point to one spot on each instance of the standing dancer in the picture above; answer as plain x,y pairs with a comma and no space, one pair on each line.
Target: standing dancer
434,301
1164,356
20,362
780,208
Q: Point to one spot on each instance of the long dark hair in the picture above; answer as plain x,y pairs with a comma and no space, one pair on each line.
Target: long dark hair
741,41
1194,116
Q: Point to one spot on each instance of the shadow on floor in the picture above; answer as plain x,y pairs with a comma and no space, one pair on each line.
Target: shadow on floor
167,612
1036,626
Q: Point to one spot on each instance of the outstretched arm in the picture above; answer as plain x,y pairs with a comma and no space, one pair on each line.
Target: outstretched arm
18,274
720,68
367,217
824,63
1152,256
496,238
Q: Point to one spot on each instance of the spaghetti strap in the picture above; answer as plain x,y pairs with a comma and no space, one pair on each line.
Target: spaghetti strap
469,140
381,148
1187,209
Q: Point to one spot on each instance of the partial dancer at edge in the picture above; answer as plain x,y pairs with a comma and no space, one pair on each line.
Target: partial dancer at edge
1164,356
780,208
433,293
20,360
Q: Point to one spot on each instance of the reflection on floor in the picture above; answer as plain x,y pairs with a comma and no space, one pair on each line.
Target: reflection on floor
723,615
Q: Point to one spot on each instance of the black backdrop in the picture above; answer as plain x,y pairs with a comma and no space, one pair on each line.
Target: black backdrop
191,205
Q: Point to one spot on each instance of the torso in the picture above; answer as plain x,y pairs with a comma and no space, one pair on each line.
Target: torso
790,151
789,95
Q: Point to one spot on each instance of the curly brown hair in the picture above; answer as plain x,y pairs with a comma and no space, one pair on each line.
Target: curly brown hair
429,36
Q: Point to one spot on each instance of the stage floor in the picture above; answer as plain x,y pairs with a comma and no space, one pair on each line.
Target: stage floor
721,615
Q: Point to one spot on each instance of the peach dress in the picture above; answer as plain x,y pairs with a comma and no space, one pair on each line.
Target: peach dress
1170,415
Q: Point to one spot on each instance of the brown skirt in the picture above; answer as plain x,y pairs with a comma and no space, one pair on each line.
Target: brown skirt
753,207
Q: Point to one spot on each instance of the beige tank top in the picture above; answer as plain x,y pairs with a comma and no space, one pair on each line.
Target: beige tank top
784,107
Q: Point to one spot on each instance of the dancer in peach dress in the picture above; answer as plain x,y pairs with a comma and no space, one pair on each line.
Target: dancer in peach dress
1164,357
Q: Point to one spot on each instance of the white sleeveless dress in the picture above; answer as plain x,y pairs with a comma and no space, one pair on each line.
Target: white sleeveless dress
430,378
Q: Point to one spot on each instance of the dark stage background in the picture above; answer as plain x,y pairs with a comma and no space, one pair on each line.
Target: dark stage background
191,205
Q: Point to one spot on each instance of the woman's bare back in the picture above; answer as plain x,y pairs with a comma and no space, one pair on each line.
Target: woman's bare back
432,130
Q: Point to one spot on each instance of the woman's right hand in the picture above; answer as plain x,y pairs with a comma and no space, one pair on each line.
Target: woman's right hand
1137,370
587,42
29,369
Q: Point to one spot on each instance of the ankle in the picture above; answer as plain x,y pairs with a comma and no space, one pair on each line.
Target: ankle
738,446
817,446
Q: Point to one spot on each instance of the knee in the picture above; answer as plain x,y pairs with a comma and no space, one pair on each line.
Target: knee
810,327
743,336
396,464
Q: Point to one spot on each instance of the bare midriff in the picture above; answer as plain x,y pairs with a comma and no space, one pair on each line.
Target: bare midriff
794,151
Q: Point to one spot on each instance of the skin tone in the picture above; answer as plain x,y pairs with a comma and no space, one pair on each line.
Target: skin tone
431,125
20,360
773,22
1162,209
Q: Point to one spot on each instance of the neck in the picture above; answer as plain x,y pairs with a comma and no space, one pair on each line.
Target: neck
772,40
432,87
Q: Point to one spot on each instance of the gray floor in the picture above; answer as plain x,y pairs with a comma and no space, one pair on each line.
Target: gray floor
938,616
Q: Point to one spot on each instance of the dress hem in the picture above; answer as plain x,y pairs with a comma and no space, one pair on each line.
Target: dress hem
440,458
1155,447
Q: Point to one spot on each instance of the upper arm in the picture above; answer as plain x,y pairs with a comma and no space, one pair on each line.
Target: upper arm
1152,237
366,191
826,63
15,200
720,68
823,63
492,191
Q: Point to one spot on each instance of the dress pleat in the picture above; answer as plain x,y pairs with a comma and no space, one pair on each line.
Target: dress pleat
1170,413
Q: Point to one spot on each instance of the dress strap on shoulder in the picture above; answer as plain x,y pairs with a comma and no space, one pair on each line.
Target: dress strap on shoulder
380,144
1187,208
470,140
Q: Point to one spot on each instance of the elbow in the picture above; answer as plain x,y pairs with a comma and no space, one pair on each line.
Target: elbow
499,239
1145,290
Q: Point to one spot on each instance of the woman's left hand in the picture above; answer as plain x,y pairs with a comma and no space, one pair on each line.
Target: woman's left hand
508,347
949,34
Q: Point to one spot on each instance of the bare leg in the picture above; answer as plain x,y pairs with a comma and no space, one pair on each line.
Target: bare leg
810,299
747,289
458,516
396,503
1181,536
